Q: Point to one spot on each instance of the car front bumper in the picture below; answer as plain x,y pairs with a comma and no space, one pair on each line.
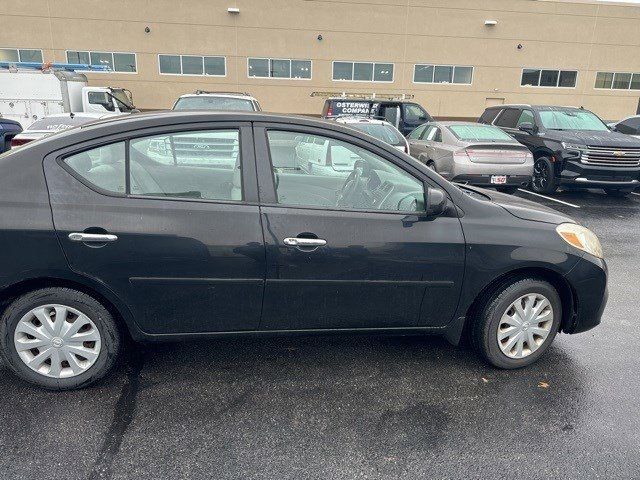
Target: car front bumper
578,174
588,280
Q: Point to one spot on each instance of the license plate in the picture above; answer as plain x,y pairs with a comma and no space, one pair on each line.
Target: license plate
498,179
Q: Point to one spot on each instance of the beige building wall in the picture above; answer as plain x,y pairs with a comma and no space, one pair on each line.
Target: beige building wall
574,35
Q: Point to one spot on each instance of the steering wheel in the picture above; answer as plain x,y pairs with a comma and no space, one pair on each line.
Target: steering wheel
354,186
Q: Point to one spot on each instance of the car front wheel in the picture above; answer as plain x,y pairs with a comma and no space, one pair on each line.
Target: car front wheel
544,179
517,323
58,338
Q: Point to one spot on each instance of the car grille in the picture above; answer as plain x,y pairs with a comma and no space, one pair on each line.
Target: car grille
612,156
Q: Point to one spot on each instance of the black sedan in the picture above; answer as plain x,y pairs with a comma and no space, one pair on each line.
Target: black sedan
191,224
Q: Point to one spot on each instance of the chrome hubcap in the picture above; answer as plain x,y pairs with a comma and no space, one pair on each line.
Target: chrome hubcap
57,341
525,325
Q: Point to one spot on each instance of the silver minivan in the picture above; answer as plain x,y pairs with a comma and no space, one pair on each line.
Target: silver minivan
473,153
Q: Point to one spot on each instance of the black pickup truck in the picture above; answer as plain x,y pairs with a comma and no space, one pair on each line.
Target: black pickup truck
8,130
571,147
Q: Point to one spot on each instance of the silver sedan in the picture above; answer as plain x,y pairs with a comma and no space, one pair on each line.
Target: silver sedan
472,153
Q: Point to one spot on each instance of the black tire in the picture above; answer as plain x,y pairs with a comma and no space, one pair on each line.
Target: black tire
110,336
616,192
488,318
510,190
544,179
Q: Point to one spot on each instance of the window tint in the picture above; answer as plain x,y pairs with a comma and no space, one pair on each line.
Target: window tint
317,171
363,71
437,135
198,164
508,118
417,132
478,132
101,98
489,115
443,74
621,81
571,120
534,77
414,113
630,126
103,167
526,117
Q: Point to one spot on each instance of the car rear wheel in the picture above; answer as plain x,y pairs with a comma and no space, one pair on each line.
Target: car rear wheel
544,179
58,338
616,192
517,323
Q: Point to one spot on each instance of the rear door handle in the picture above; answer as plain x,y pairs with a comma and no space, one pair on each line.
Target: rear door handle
304,242
92,237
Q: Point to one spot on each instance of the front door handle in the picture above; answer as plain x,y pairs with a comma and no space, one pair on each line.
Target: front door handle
304,242
92,237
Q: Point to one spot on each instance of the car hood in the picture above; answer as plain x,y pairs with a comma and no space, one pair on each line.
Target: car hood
593,138
524,209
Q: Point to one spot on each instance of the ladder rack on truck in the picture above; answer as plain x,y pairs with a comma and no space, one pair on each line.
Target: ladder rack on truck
69,67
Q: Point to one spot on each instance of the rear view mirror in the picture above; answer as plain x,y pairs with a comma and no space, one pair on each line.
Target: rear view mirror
527,127
436,201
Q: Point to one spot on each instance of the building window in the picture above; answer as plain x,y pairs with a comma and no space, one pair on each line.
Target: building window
535,77
279,68
363,72
424,73
192,65
114,61
20,55
618,80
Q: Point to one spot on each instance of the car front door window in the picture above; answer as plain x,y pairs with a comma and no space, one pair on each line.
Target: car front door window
339,175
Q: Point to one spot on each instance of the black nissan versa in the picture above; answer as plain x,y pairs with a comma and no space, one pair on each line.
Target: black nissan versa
184,225
571,147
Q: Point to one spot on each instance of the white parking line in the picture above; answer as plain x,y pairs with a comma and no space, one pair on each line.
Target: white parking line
549,198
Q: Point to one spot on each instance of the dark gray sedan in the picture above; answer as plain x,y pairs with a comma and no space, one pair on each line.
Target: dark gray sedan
473,153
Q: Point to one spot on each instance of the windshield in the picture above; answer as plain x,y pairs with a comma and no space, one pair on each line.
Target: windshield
213,103
123,100
55,124
571,120
380,131
474,133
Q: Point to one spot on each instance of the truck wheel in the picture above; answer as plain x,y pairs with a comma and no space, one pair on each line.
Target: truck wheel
544,179
616,192
517,323
58,338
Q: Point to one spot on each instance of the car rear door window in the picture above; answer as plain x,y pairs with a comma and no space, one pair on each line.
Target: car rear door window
318,171
202,164
103,167
417,132
526,117
508,118
489,115
630,126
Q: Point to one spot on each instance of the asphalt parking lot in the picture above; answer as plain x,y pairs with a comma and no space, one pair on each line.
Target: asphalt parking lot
354,407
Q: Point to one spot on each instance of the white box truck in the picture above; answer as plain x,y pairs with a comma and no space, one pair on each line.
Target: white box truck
28,95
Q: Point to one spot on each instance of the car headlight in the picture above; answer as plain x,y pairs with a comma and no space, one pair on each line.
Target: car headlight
580,237
574,149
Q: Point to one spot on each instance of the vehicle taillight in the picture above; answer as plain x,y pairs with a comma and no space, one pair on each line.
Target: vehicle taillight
16,142
330,111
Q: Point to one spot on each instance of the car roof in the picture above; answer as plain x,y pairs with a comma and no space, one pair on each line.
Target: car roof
537,107
243,96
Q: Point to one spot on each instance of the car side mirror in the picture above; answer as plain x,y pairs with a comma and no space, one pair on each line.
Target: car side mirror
435,202
528,127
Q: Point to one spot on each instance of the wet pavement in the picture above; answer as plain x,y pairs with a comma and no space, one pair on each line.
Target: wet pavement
354,407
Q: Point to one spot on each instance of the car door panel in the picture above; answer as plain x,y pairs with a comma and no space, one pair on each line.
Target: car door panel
376,270
180,265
